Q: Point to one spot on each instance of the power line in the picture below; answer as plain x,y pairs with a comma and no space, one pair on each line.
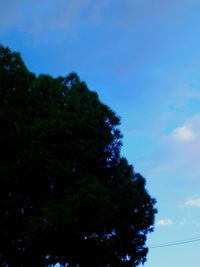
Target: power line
175,243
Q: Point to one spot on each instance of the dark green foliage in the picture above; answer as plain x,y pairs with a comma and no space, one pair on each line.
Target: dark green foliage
65,193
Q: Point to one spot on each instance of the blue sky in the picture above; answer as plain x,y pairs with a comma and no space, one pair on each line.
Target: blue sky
143,59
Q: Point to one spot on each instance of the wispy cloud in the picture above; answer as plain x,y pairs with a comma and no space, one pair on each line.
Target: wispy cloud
178,152
164,222
49,15
192,202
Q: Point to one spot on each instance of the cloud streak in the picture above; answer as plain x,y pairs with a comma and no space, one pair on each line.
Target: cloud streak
164,222
192,202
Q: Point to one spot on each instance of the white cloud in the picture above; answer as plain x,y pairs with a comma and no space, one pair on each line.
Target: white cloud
183,133
192,202
176,155
189,131
164,222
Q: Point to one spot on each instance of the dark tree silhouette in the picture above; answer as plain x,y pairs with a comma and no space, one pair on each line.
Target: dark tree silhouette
66,194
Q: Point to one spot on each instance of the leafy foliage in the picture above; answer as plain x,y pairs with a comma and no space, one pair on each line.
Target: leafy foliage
66,194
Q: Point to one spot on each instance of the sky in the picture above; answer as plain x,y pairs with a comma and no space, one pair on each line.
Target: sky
143,59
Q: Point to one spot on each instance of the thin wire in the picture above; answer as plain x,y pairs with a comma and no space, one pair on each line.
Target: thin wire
175,243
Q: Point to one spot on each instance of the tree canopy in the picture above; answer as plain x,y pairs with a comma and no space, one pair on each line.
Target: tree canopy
66,193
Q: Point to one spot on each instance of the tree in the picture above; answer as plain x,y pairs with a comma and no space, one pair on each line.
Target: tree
66,194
